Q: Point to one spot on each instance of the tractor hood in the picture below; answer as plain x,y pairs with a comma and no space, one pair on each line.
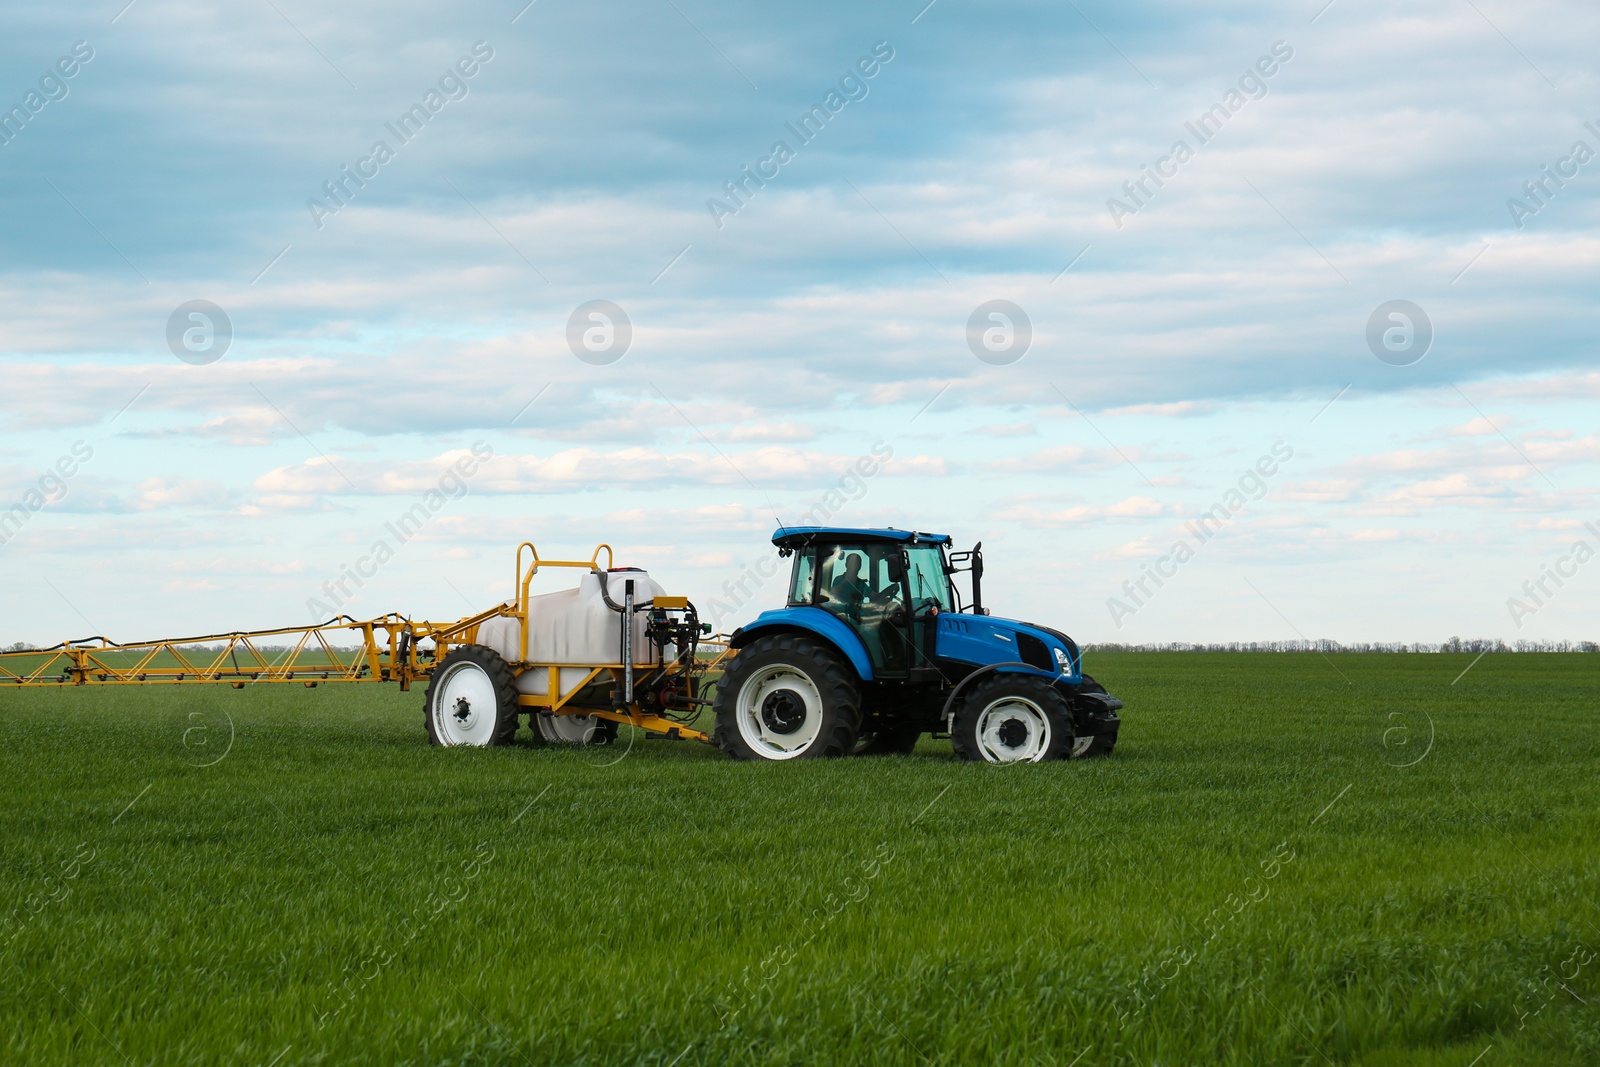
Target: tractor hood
983,640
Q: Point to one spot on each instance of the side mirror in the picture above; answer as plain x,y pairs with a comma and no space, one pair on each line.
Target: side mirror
896,566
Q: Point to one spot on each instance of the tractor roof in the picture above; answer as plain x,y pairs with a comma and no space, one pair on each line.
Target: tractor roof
794,536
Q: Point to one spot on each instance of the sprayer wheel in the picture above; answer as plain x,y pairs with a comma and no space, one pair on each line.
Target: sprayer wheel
471,699
574,729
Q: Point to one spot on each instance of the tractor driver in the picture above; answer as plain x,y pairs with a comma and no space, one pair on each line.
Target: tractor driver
851,588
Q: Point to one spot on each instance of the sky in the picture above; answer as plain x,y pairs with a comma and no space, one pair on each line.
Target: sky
1083,272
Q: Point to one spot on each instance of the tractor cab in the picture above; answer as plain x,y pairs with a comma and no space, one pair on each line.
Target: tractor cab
886,586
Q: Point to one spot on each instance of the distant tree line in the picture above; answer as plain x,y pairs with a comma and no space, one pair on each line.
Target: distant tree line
1455,644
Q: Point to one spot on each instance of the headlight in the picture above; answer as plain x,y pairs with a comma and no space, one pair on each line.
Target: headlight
1063,661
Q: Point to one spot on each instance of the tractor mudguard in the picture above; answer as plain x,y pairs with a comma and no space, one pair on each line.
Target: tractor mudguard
815,621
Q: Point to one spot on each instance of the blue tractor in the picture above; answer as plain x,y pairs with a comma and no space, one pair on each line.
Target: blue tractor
875,649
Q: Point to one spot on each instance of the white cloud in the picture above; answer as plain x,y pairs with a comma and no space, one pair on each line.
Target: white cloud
577,469
1008,429
1063,460
156,493
1131,509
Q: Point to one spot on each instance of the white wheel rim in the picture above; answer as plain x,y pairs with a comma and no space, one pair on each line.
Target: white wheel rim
466,708
569,729
1013,730
791,723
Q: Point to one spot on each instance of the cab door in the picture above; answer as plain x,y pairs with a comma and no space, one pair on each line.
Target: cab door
861,584
926,581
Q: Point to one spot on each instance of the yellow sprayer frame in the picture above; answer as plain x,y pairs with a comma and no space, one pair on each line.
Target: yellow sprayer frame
388,652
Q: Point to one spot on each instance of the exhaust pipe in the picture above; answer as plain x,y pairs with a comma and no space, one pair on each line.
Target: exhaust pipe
977,579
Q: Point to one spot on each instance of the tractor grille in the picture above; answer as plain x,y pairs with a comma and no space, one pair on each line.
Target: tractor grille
1034,653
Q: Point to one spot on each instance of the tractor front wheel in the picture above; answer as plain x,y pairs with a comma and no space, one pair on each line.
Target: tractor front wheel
787,697
1012,718
472,699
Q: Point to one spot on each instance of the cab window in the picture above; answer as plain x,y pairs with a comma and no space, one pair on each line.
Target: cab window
930,586
855,580
854,583
803,582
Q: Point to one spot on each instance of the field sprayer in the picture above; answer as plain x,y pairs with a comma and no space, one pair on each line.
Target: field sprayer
872,650
577,662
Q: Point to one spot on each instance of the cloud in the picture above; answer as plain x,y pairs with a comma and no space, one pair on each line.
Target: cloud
223,565
1479,427
1462,489
1062,460
772,431
1131,509
1178,408
1319,492
157,493
258,427
1553,387
1549,450
577,469
1010,429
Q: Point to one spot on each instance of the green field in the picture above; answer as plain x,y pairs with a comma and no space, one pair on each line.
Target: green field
1251,878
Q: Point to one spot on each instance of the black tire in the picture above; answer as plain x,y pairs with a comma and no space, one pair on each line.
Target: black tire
896,740
1102,744
1038,728
461,725
785,665
535,735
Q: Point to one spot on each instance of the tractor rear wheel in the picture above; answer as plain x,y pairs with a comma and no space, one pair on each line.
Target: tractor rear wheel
895,740
471,699
1012,718
787,697
574,729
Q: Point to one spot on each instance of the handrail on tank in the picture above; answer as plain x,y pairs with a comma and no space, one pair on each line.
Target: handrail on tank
524,580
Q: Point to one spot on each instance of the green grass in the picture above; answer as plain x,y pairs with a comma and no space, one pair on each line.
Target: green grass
335,888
